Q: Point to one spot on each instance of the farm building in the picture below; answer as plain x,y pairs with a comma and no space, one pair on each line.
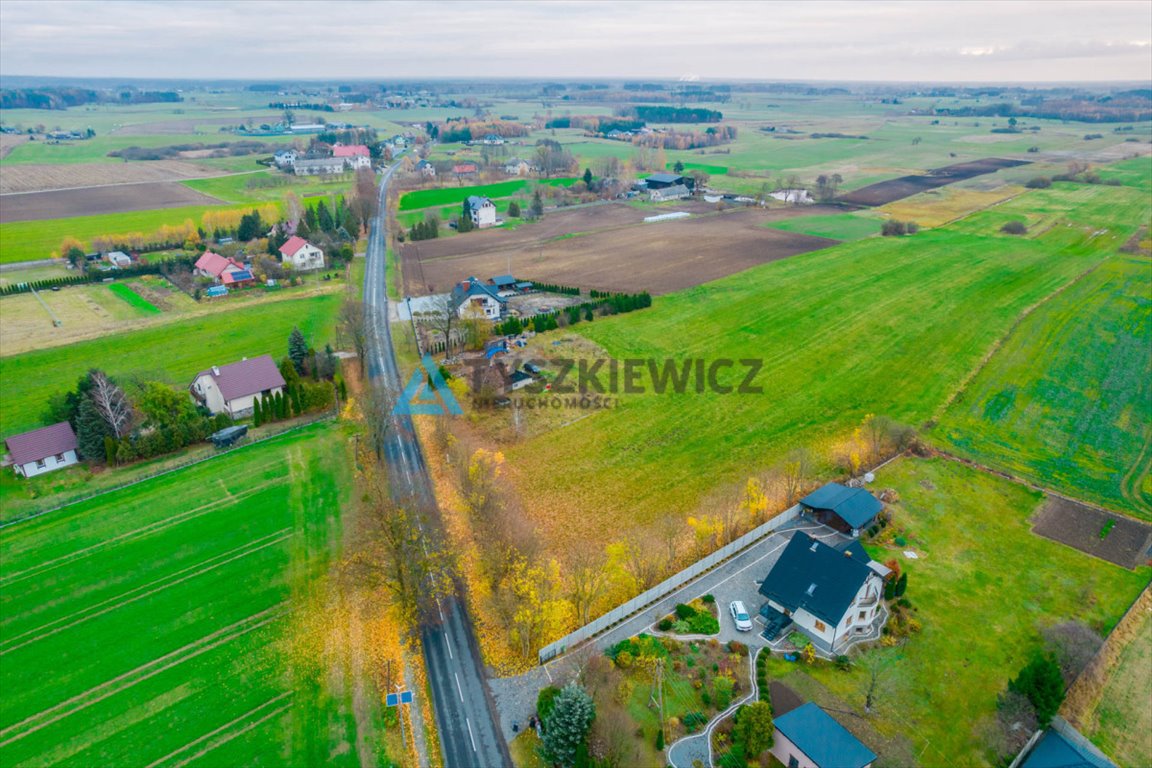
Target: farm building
832,595
320,166
676,192
666,180
502,282
471,293
465,169
426,169
215,266
301,254
848,510
481,210
233,389
808,737
43,450
518,380
354,155
795,196
118,259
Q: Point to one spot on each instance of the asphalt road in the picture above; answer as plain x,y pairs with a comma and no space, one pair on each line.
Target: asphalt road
465,713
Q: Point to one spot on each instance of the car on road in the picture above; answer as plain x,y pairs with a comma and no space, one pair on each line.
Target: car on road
740,616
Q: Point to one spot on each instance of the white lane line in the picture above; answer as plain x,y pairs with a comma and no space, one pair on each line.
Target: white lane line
459,690
470,736
547,672
448,645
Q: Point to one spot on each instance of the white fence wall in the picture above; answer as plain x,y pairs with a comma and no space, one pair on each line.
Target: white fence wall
666,587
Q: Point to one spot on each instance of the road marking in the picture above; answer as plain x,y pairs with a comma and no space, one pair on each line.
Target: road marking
470,736
548,673
448,645
459,690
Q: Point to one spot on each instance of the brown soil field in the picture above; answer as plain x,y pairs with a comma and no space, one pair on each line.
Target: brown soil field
36,177
906,186
610,248
64,203
1079,526
186,126
9,142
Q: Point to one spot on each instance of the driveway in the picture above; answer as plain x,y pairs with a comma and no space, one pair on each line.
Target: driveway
736,579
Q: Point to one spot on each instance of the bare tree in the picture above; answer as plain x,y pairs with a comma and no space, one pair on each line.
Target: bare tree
365,201
376,405
1074,644
644,568
442,317
796,469
587,579
354,329
878,665
112,404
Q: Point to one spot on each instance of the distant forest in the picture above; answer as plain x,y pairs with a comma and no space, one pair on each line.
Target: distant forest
62,98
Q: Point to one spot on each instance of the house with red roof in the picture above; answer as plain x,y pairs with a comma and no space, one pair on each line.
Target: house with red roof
353,155
217,267
301,254
43,450
233,388
464,169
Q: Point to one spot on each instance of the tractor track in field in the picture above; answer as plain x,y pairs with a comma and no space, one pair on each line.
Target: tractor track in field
161,584
1130,484
227,736
132,677
145,530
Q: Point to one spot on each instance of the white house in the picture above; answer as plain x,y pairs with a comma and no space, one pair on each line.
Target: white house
675,192
794,196
220,268
808,737
831,594
481,210
470,295
354,155
284,158
233,389
301,254
43,450
426,169
517,167
118,259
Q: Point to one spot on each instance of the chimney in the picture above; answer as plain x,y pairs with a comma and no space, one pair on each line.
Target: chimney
215,370
465,284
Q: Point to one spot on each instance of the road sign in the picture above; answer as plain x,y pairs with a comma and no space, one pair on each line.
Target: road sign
406,697
392,699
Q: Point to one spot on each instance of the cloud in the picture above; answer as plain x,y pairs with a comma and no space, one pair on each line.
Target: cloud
945,40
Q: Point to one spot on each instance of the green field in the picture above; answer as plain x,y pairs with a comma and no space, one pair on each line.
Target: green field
427,198
266,186
972,533
33,240
1066,402
173,353
1121,724
157,625
878,326
135,300
838,226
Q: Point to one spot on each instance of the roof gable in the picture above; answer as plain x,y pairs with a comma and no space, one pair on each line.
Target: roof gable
292,245
212,263
41,443
1054,750
855,506
247,377
819,736
816,577
350,150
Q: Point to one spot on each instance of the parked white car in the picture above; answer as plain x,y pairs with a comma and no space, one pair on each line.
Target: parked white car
740,616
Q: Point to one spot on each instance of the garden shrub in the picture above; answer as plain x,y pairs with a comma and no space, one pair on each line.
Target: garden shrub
684,611
664,625
694,720
708,599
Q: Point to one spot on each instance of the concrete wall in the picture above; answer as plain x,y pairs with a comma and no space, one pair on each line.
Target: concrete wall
783,750
50,464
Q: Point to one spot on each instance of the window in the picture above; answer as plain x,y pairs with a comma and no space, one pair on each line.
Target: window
862,615
793,762
820,627
40,464
59,458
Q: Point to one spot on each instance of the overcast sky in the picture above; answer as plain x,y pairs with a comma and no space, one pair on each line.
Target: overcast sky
968,40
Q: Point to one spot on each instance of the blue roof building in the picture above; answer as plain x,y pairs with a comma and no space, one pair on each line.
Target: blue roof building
849,510
1061,746
808,737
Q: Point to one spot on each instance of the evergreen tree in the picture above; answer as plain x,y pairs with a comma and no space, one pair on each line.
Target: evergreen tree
91,429
902,584
513,210
678,168
588,314
588,177
257,413
296,407
537,205
297,349
310,220
890,589
266,409
1043,684
324,217
754,728
566,729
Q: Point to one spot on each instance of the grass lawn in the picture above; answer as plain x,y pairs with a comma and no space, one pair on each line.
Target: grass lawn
878,326
159,623
268,186
135,300
32,240
838,226
173,353
1066,402
1122,722
442,196
972,533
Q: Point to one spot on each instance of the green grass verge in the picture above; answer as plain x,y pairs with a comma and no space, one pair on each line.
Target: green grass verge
33,240
1122,721
972,532
266,186
1066,402
174,352
165,622
427,198
838,226
135,300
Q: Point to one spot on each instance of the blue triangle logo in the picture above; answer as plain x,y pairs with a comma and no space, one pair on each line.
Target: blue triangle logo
420,399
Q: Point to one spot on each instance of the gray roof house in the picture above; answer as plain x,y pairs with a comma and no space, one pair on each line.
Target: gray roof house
43,450
1062,746
471,292
849,510
809,736
675,192
831,595
233,388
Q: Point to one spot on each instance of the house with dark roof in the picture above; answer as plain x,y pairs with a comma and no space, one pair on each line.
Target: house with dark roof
675,192
426,169
848,510
1062,746
42,450
471,295
808,737
233,388
666,180
481,210
829,594
502,282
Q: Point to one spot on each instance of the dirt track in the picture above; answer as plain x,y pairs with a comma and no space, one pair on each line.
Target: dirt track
611,248
64,203
906,186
